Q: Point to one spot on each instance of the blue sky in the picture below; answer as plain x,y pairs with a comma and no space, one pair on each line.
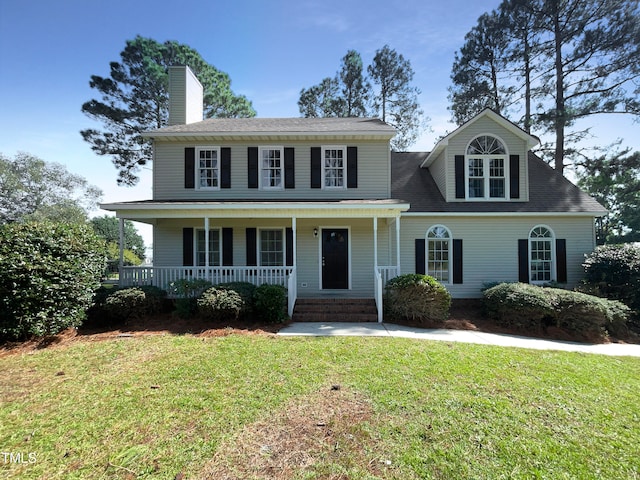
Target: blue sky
49,50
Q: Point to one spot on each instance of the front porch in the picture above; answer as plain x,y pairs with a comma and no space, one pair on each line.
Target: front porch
163,277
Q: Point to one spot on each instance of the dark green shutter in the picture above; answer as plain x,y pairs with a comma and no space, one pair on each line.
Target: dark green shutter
252,167
352,167
289,168
252,247
459,174
227,247
316,167
561,260
225,167
523,260
187,247
289,246
457,260
189,167
420,256
514,176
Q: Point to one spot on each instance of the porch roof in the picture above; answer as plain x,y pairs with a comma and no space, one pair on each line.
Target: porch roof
148,210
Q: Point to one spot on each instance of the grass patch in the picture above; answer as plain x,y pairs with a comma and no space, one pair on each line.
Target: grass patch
154,407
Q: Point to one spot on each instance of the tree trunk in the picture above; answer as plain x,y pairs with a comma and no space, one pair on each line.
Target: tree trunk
527,83
560,117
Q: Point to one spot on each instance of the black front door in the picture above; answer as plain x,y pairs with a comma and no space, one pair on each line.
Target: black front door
335,258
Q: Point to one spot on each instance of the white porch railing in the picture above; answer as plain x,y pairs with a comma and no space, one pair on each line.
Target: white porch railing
381,276
163,276
292,291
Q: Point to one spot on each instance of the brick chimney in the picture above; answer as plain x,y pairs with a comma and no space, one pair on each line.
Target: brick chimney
185,96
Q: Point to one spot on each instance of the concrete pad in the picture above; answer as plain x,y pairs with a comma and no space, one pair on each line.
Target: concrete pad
465,336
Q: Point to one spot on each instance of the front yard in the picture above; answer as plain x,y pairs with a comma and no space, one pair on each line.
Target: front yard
260,406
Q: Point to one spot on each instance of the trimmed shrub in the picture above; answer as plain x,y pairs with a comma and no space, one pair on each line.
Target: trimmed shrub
246,291
613,271
271,303
220,304
124,304
155,300
418,298
187,291
532,308
49,275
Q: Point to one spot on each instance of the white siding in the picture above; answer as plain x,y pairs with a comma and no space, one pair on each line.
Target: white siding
438,170
373,172
490,246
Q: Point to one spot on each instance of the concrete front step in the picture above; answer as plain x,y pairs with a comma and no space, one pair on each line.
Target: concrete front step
335,309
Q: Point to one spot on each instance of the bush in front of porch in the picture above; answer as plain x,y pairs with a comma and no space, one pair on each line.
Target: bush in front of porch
416,298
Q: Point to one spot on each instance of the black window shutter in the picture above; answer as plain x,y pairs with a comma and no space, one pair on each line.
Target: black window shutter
561,260
252,167
457,260
352,167
523,260
289,246
289,168
252,247
420,258
189,167
187,247
225,167
227,247
316,167
460,190
514,175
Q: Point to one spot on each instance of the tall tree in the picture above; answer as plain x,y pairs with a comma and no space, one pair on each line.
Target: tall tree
396,100
479,70
32,189
321,100
571,58
108,228
614,180
355,87
134,98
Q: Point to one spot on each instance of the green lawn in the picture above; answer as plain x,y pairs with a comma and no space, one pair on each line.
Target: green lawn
153,407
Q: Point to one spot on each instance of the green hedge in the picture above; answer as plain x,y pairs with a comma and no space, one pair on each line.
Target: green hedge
49,275
416,298
534,309
271,303
220,304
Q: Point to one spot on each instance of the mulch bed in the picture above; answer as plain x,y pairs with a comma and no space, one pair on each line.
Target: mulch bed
466,314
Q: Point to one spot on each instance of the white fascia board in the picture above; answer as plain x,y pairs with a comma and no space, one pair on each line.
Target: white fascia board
503,214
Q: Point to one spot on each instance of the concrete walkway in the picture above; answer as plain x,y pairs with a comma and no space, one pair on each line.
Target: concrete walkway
466,336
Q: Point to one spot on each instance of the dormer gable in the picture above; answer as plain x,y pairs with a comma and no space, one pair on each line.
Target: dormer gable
484,160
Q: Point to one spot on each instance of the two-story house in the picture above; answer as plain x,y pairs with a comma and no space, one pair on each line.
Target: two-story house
323,207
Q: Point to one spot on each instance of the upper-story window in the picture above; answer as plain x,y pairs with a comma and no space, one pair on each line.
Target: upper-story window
271,167
334,167
208,172
486,168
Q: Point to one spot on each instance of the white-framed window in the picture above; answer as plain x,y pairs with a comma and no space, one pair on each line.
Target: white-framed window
439,253
271,167
541,254
208,167
486,169
271,247
215,248
334,166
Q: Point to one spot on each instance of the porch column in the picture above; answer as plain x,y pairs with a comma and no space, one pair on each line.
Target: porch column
121,241
206,241
375,244
398,245
295,241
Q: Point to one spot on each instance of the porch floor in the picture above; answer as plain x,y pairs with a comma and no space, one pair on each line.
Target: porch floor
335,309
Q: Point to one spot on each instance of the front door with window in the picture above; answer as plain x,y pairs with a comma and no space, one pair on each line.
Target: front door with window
335,258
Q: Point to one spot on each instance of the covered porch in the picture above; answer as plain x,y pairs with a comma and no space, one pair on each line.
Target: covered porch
340,249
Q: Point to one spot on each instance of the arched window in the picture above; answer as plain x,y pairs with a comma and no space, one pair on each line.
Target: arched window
439,253
541,254
486,168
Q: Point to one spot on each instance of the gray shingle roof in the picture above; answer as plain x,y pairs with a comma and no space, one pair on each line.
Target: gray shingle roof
549,192
319,126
